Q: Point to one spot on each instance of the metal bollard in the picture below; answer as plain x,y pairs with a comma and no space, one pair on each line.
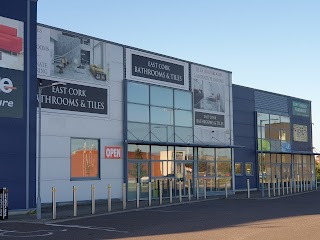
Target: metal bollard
93,201
205,188
170,189
304,184
287,187
316,183
75,206
138,194
269,193
282,183
54,203
294,185
301,184
290,180
160,190
248,187
274,188
298,185
279,187
198,194
109,197
124,196
180,191
150,193
226,189
189,190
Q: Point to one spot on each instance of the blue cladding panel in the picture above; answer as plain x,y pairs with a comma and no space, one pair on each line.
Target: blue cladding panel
13,140
244,132
271,102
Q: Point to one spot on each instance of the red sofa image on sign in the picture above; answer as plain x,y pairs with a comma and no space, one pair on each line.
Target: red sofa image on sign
9,41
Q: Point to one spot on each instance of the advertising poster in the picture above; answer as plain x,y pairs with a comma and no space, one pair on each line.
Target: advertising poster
71,56
211,109
156,69
300,133
301,109
11,44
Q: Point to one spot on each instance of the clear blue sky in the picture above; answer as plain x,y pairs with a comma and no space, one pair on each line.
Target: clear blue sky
270,45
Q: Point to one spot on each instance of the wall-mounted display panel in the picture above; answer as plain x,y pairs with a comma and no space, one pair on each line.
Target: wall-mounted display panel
300,133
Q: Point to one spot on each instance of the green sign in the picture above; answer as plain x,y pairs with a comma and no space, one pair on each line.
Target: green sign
300,109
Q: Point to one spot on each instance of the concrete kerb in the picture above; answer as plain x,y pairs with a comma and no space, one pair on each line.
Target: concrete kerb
25,217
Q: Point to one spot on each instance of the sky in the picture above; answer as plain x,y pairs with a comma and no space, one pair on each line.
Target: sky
269,45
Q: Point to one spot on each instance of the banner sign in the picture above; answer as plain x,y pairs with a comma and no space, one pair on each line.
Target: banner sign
209,120
300,133
300,109
3,203
112,152
72,97
11,93
158,70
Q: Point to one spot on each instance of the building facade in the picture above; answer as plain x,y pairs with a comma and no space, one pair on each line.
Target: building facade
114,114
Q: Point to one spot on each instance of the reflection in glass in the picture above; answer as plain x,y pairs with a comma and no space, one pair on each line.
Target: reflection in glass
162,133
84,158
238,168
224,169
182,100
249,169
138,113
159,153
138,131
223,154
138,151
202,168
183,118
184,153
206,154
161,115
183,135
161,96
138,93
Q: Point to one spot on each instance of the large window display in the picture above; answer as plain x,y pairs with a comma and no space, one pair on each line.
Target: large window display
84,158
159,114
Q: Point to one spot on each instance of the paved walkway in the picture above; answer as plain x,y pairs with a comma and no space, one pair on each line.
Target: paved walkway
65,210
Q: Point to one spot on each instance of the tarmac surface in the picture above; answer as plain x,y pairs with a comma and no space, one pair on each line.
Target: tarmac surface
295,216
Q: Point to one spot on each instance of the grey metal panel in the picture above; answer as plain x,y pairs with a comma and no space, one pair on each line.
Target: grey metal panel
272,102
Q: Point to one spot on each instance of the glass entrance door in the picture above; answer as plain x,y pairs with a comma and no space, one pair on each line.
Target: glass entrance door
183,173
138,173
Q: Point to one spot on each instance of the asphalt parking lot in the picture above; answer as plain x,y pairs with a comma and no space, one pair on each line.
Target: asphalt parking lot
289,217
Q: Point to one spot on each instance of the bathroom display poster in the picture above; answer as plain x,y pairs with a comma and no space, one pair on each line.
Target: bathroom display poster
11,44
212,119
72,56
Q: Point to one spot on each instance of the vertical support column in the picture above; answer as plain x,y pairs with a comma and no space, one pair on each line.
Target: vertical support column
248,188
301,184
150,193
269,193
109,197
290,180
124,196
226,189
75,205
287,186
282,183
138,194
279,187
93,201
298,184
54,203
160,190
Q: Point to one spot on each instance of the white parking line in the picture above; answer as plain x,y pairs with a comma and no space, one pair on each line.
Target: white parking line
31,234
108,229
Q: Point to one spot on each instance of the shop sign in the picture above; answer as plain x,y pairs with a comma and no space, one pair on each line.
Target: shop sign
209,120
72,97
112,152
11,93
3,203
156,69
300,109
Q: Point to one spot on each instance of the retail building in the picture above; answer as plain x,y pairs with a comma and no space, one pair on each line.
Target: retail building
126,115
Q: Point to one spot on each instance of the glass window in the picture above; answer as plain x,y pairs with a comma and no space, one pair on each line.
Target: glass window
183,118
84,158
223,154
206,154
159,153
224,169
161,96
184,153
162,133
138,113
262,119
285,119
249,169
161,115
138,93
138,151
182,100
183,134
238,168
274,120
202,168
138,131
